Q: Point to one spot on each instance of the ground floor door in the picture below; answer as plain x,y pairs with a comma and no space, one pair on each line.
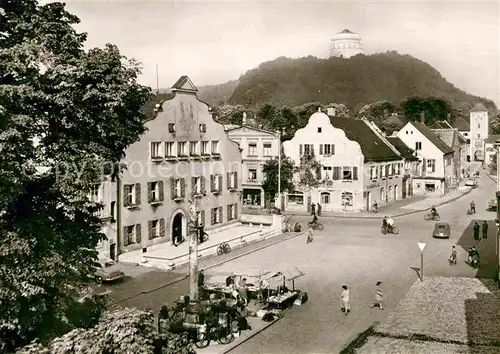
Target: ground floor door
405,186
252,197
112,251
177,228
368,200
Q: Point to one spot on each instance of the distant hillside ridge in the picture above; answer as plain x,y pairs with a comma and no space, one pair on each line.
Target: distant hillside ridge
360,80
215,95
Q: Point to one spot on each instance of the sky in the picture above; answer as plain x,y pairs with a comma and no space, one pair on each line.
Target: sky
213,42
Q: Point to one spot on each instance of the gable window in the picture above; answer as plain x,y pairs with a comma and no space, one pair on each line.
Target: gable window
418,145
327,149
267,149
169,149
479,126
156,152
181,148
252,174
193,148
319,129
131,194
155,191
431,165
204,148
306,149
215,148
479,136
252,149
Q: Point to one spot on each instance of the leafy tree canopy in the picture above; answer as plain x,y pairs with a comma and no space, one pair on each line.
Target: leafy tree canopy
72,112
120,331
309,171
270,171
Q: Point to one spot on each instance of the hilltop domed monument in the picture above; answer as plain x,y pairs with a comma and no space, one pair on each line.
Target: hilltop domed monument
345,44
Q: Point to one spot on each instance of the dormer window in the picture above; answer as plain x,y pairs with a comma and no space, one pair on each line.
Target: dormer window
319,129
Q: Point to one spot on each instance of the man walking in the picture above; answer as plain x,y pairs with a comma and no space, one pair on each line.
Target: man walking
476,231
344,298
485,229
378,296
309,235
473,207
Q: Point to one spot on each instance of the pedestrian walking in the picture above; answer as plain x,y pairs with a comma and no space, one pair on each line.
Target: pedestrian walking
473,207
319,209
344,298
309,235
313,209
378,296
453,256
485,229
476,231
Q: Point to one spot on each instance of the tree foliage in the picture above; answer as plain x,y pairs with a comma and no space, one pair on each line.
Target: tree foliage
120,331
377,111
72,112
364,78
271,175
228,114
309,171
435,109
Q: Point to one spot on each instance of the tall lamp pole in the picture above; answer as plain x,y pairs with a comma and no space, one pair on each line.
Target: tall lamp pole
279,170
193,251
497,145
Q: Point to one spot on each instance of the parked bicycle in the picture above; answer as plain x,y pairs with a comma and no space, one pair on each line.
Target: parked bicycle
430,216
223,248
222,334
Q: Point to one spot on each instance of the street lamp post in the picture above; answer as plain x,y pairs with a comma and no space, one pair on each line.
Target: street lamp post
193,251
279,170
497,145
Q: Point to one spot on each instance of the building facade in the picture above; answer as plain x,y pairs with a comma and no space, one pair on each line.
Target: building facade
458,143
257,146
184,155
340,180
411,166
438,170
479,123
105,194
463,128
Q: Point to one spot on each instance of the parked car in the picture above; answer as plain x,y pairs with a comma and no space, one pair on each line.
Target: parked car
492,205
441,230
471,183
106,270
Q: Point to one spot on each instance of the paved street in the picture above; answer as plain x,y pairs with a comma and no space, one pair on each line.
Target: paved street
348,251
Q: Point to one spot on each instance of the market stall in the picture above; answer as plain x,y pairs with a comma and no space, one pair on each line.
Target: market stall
281,296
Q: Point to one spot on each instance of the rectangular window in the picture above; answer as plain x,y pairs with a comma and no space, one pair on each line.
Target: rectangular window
252,149
479,136
196,185
156,152
336,173
479,126
215,148
325,198
193,148
232,180
373,172
178,188
216,215
328,149
169,149
215,183
113,211
267,149
131,194
204,148
252,174
181,148
431,165
307,149
232,212
94,193
327,172
131,234
319,130
418,145
154,229
154,191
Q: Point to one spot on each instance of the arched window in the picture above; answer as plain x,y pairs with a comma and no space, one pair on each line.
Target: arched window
325,198
347,199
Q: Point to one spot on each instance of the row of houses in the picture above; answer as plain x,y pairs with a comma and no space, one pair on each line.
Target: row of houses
185,157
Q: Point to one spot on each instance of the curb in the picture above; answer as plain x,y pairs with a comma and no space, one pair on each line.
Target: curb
396,215
186,276
251,336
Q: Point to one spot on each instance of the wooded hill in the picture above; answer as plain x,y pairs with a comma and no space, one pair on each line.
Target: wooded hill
355,82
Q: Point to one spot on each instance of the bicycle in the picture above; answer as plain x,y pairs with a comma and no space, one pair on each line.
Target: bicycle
178,313
223,248
389,230
315,225
222,334
434,217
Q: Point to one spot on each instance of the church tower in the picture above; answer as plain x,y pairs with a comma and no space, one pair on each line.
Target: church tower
479,123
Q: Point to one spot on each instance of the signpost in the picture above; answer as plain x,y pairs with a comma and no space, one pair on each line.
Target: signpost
421,245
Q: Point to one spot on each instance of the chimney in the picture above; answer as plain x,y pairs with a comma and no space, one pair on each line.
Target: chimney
244,120
331,111
261,126
422,117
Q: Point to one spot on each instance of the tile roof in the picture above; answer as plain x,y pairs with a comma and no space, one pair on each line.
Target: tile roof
433,138
403,149
373,148
492,138
479,108
441,124
149,107
461,124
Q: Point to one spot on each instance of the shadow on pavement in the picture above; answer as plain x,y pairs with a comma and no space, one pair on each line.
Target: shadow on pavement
417,270
487,247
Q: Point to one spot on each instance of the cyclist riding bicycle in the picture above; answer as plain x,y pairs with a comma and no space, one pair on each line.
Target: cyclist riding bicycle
390,223
433,211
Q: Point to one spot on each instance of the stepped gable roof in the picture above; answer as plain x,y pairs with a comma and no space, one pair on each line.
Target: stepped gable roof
461,124
433,138
373,147
479,108
403,149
